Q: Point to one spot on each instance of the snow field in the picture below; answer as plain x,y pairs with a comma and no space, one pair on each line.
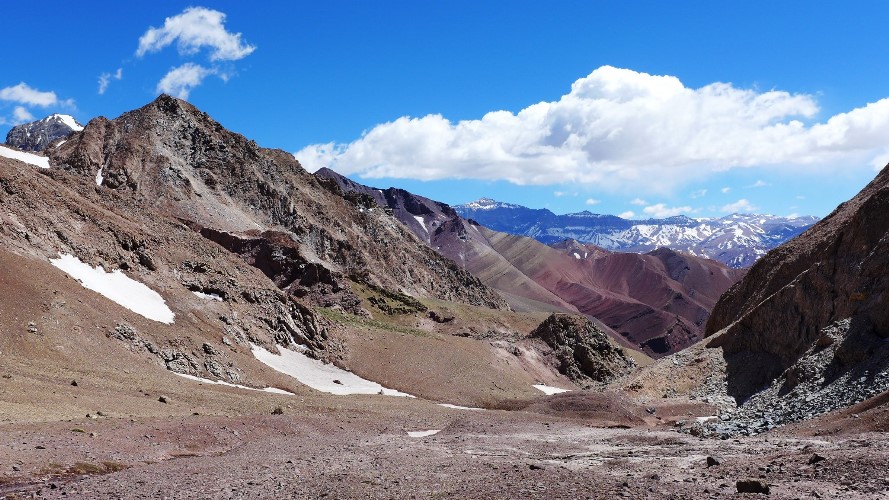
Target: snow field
549,390
117,287
419,434
36,160
319,376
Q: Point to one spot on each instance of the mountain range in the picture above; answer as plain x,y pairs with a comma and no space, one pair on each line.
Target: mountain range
224,320
736,240
657,302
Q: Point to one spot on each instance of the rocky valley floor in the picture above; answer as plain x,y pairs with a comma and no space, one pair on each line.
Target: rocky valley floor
360,447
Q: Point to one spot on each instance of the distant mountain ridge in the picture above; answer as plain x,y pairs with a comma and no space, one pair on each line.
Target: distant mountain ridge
736,240
655,302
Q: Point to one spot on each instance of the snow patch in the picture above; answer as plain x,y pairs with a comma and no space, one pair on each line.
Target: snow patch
549,390
31,158
319,376
419,434
457,407
419,219
207,296
99,177
118,287
273,390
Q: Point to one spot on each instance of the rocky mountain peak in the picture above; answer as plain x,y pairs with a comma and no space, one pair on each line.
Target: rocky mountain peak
37,135
259,202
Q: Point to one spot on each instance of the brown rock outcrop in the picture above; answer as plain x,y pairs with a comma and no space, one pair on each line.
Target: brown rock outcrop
582,351
836,270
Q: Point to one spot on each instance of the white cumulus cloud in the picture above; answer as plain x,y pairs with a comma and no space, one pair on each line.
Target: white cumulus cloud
725,190
181,80
193,29
660,210
629,214
638,201
592,201
742,206
616,128
24,94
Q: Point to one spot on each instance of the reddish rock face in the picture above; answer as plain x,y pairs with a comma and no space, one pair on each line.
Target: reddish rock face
834,271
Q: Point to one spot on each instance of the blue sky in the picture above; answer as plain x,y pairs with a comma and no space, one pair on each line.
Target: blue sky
652,108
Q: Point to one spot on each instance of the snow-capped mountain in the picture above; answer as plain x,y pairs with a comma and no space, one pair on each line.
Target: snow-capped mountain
737,240
36,136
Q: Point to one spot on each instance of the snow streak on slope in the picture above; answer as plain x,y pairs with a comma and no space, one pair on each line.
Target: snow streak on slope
273,390
118,287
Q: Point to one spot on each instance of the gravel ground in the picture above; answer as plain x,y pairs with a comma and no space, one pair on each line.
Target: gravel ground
366,453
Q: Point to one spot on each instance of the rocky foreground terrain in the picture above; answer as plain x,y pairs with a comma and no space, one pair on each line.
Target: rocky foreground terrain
292,336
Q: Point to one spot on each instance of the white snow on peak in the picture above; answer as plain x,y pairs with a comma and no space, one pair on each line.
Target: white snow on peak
319,376
488,204
36,160
118,287
273,390
70,122
419,434
549,390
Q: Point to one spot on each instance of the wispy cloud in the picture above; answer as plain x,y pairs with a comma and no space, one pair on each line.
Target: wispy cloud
105,79
638,201
181,80
22,115
741,206
700,193
758,184
725,190
619,129
660,210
